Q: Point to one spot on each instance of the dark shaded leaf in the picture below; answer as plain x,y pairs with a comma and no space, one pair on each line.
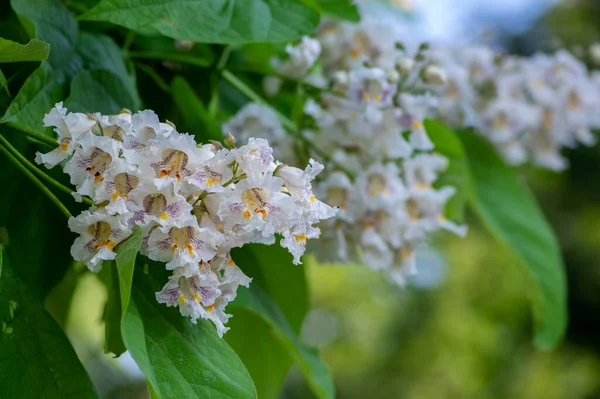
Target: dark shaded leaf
36,358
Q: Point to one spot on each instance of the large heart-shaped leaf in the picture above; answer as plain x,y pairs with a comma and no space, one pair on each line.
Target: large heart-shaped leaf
36,358
510,212
212,21
178,358
35,50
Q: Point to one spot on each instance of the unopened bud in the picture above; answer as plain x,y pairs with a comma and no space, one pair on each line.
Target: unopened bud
125,111
404,64
216,145
168,122
434,75
393,76
595,53
271,85
229,140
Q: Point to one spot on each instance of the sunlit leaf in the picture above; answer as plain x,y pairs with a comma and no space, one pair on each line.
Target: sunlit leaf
344,10
212,21
178,358
510,212
118,277
35,50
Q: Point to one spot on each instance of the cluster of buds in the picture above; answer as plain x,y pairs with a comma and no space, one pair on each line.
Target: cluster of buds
193,203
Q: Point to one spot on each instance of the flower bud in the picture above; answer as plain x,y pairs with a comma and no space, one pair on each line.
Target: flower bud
229,140
594,51
272,85
393,76
434,75
404,64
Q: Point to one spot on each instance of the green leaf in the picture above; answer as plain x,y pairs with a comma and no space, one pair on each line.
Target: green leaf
448,144
271,269
4,83
267,360
35,50
36,358
510,212
212,21
195,115
113,339
307,359
71,52
184,58
118,278
178,358
126,254
254,341
109,95
344,10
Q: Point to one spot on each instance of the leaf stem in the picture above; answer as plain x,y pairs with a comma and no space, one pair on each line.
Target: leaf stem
35,181
171,56
154,76
38,172
40,137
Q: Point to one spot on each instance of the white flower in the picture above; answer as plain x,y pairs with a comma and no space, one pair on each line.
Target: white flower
69,128
99,234
91,161
214,173
295,240
301,58
255,158
380,186
183,244
257,204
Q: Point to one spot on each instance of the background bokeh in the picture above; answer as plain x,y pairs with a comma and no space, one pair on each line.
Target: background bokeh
462,328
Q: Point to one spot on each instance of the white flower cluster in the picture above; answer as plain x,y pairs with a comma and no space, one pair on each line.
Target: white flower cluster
193,203
530,108
374,134
387,197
